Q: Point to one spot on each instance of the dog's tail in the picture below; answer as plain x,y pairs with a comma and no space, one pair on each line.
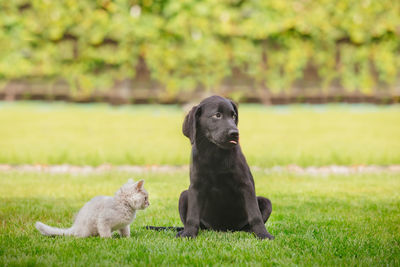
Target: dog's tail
52,231
162,228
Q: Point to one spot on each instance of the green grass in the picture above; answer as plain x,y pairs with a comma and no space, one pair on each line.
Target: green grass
326,221
94,134
317,220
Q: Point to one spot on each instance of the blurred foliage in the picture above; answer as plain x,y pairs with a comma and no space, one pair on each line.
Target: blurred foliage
196,44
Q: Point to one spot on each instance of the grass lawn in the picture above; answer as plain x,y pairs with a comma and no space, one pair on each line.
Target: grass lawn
331,220
317,220
93,134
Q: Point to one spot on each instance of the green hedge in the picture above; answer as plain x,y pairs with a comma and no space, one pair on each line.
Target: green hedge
197,44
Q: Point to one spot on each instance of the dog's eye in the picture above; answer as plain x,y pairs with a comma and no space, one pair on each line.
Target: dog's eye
234,117
217,115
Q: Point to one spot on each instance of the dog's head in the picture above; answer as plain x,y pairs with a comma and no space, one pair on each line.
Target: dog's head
216,119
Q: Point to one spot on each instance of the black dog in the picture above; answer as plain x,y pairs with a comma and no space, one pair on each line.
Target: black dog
221,195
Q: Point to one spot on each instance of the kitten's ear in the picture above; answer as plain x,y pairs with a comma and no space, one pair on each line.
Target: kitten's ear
139,185
126,187
121,190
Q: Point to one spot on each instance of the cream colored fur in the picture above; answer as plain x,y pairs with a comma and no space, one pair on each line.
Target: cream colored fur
104,214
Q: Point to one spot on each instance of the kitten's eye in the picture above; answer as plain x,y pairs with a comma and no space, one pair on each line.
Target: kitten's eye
234,117
217,115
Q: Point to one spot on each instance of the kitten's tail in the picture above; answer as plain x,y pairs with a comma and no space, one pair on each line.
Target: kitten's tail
52,231
161,228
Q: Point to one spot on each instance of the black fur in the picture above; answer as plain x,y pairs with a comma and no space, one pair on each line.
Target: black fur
221,195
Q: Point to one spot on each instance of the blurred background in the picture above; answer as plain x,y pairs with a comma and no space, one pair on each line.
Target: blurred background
152,52
93,92
169,51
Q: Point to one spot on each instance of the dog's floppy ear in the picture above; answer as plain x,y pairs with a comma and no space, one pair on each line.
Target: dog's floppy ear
236,110
189,124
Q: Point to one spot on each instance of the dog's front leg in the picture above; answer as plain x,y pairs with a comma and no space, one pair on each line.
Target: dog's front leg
192,220
256,222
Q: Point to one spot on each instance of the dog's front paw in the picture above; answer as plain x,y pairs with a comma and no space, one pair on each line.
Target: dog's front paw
265,235
187,234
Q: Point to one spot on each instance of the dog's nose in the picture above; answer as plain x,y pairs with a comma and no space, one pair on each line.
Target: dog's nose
234,134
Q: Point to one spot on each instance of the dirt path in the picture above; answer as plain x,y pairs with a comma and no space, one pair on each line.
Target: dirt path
312,170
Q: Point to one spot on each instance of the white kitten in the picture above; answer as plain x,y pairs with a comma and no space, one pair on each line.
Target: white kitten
103,214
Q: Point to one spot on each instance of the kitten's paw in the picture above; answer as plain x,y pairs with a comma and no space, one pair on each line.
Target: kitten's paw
105,234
